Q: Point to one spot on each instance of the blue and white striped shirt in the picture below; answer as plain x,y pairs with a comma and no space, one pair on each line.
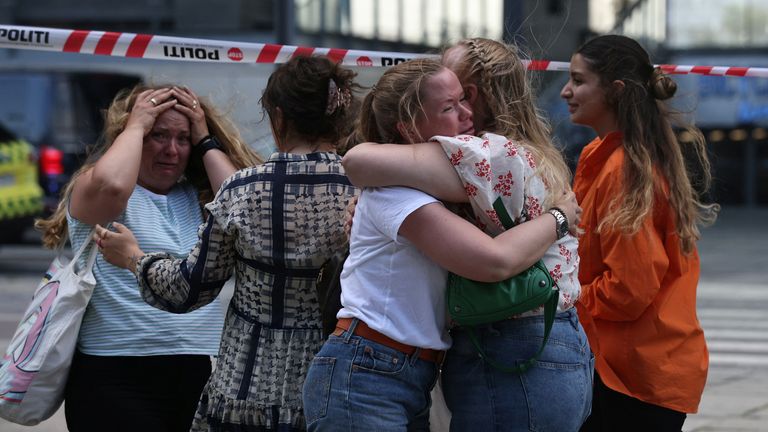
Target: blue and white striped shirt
117,321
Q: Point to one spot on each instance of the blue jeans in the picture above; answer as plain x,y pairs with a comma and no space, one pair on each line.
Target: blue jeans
355,384
554,395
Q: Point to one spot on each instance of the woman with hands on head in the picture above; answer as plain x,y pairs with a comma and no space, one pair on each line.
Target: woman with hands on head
514,159
162,154
273,226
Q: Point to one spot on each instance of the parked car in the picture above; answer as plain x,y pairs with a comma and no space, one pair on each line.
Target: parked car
21,197
60,114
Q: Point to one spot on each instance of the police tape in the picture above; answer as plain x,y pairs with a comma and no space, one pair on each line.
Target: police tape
181,49
132,45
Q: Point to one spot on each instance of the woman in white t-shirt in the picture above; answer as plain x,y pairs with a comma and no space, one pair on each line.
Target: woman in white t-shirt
519,164
376,370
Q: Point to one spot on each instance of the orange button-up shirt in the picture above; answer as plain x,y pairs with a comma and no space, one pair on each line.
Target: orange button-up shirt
638,292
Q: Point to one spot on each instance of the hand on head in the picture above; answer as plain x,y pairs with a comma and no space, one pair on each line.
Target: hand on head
151,103
148,105
188,104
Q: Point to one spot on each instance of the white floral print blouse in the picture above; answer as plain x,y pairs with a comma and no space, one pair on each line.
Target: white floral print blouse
493,166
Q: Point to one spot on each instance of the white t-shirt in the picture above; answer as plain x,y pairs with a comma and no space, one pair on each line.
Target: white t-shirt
388,283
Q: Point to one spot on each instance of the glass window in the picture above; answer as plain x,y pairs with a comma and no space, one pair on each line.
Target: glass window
722,23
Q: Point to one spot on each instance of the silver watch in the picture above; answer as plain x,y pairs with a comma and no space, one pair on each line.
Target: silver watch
561,222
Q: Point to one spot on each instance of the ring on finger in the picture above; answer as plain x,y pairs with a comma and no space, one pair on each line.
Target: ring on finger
194,104
154,101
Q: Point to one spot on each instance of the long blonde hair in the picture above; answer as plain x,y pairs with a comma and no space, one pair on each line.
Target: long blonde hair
504,86
649,141
54,228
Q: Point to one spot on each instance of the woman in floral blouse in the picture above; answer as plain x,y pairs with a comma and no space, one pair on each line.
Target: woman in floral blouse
519,164
273,226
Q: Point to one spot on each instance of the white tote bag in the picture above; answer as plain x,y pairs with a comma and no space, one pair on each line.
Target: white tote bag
34,369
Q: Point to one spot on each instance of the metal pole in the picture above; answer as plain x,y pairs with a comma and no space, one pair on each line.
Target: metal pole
513,19
376,19
285,22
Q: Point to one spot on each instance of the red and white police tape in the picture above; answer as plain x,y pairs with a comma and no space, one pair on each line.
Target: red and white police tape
204,50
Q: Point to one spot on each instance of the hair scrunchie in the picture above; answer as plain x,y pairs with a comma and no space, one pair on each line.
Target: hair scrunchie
337,98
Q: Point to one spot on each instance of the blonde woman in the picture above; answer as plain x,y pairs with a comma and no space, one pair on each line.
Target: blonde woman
377,369
164,152
513,158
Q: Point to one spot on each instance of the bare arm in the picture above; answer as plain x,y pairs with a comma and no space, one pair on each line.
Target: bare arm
460,247
101,193
419,166
218,167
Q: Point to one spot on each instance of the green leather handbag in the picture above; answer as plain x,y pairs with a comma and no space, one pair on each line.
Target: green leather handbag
472,303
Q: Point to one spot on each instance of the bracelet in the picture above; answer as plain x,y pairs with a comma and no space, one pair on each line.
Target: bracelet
561,222
204,139
210,142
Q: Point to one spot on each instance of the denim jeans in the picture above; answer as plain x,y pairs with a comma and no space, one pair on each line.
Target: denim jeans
355,384
554,395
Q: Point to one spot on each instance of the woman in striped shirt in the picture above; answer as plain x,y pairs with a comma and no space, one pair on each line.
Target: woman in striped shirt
272,226
164,152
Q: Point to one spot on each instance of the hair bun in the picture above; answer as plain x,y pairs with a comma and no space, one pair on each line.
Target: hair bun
662,87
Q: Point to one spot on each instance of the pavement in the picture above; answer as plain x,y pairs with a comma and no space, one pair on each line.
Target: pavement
732,304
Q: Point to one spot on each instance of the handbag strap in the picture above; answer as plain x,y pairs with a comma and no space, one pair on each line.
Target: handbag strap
501,212
550,310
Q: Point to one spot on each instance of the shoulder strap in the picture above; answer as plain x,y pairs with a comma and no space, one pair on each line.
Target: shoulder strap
501,212
550,310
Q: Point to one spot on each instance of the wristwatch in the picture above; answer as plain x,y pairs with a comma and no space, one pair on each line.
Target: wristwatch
561,222
208,143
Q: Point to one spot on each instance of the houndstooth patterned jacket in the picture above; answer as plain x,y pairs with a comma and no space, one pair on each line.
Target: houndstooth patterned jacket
273,226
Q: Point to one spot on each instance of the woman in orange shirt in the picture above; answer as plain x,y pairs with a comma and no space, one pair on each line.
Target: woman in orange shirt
639,264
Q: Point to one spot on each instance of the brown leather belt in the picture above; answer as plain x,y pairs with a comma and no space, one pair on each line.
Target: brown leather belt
366,332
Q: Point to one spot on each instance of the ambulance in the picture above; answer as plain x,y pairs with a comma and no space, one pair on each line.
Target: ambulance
21,197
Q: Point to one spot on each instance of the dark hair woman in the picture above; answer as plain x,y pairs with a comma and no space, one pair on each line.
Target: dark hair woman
639,265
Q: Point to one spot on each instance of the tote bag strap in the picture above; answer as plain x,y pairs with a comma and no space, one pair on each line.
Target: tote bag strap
91,255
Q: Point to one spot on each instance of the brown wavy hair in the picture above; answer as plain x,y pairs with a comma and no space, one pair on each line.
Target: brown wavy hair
650,143
54,228
316,98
